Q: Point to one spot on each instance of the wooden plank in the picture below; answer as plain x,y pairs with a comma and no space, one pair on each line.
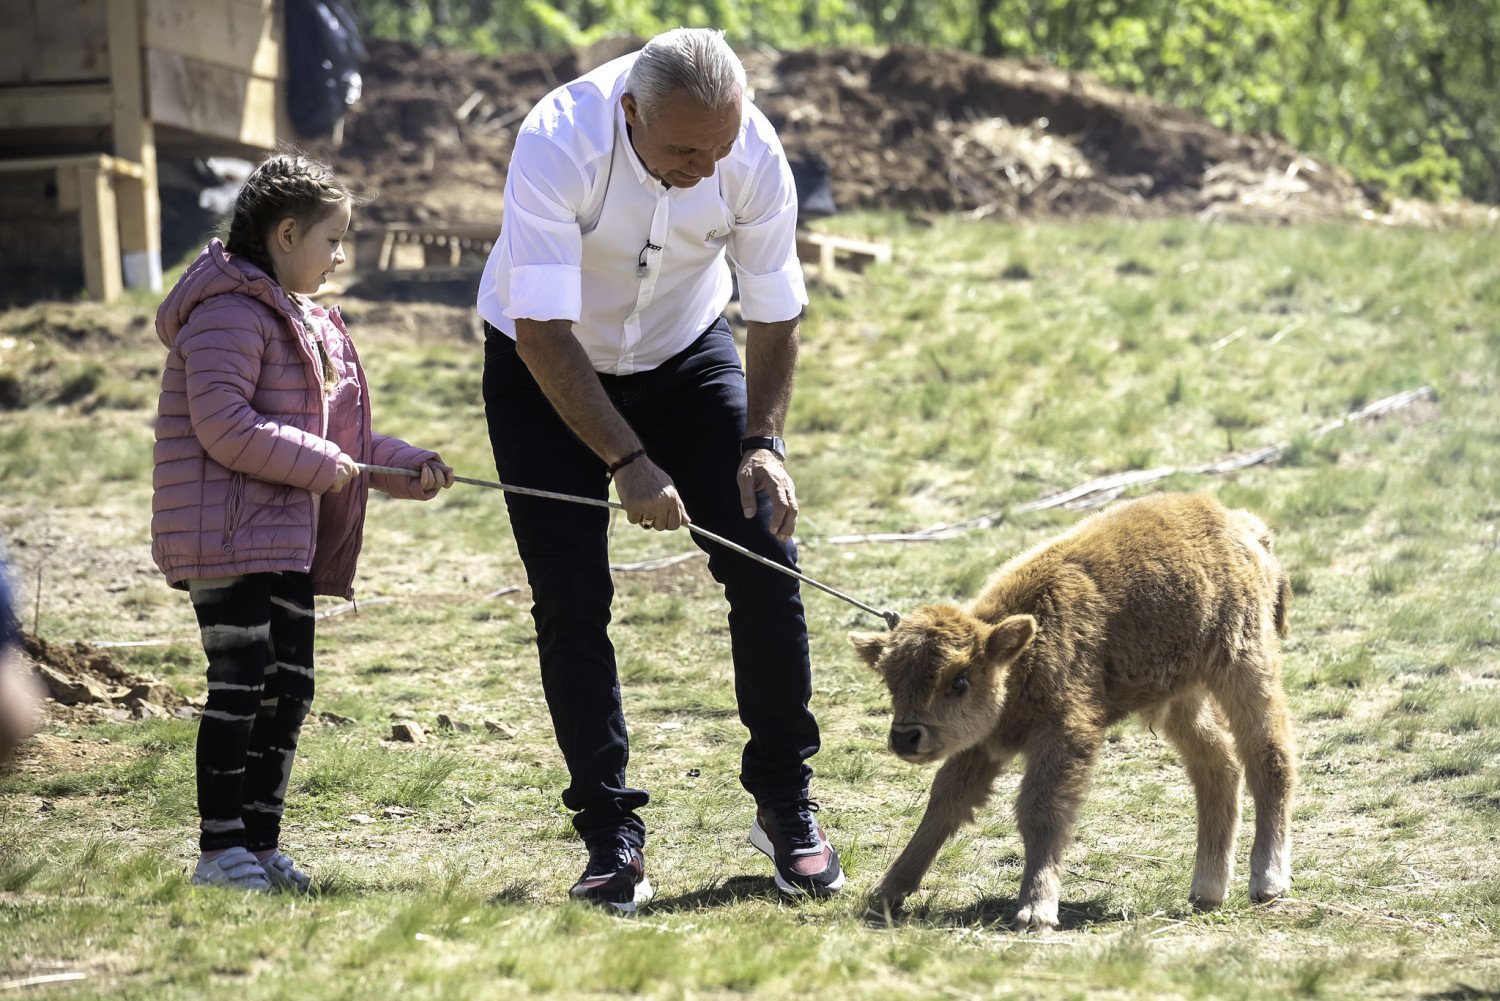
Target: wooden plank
101,243
53,41
91,161
243,35
64,106
139,203
211,100
69,197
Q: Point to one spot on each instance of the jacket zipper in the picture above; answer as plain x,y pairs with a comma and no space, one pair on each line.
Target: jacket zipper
315,357
366,440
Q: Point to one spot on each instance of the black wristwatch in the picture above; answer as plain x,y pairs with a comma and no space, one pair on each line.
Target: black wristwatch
770,444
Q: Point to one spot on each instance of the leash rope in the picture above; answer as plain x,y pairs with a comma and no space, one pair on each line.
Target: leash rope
891,617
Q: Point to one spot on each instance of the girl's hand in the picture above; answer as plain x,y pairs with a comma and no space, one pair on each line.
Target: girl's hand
436,475
347,470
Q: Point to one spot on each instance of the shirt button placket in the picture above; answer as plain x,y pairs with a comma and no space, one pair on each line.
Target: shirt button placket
660,219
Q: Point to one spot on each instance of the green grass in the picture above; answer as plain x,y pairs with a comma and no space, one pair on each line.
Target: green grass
987,366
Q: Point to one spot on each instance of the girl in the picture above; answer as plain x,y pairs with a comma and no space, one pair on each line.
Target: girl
264,412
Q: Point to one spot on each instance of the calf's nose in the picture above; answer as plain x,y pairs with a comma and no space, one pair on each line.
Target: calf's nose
906,740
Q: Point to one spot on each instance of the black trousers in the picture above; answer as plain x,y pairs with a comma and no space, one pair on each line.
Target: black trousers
257,631
689,412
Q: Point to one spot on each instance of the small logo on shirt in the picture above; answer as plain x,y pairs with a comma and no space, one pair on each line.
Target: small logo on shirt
711,235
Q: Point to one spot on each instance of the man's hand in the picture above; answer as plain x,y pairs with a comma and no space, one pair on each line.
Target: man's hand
760,469
649,496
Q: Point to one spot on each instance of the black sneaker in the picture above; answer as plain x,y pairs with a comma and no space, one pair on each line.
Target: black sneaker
616,876
805,862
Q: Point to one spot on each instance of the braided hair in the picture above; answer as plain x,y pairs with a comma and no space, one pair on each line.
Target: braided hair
284,185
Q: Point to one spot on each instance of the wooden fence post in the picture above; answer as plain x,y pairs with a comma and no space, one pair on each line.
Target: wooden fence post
138,200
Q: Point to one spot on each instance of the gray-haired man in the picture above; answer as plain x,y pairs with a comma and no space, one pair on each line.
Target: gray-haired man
632,191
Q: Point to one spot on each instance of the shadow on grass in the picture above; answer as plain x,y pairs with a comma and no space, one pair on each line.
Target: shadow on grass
730,891
1463,992
516,893
989,912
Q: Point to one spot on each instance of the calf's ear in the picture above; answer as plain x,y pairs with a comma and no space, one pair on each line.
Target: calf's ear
1008,639
869,645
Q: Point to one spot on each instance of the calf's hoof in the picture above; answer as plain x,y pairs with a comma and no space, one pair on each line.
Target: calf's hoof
1267,890
1203,904
882,910
1035,917
891,894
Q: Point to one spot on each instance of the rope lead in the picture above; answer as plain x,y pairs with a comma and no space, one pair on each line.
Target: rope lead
891,617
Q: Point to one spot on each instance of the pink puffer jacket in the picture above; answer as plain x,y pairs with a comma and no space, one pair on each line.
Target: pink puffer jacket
243,458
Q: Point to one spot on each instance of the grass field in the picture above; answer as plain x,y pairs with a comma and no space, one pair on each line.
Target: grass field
988,366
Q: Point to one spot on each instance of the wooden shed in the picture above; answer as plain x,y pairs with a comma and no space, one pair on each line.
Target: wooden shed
93,91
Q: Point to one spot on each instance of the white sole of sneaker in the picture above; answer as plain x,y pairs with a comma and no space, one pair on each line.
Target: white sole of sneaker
760,840
643,895
196,880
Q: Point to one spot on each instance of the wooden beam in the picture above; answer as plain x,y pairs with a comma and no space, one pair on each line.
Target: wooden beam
211,100
69,198
93,161
241,35
53,41
101,243
56,107
134,139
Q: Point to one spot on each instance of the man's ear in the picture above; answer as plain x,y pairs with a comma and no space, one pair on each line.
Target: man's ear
286,234
869,645
1008,639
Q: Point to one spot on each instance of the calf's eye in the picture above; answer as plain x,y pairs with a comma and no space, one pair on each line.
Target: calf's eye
960,684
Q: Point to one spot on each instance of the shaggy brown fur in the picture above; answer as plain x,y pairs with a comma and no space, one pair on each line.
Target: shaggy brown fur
1168,606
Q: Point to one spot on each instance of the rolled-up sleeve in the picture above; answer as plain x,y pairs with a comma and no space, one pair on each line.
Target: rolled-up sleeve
543,190
763,244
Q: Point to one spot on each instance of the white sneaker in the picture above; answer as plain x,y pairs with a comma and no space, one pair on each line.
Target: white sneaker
236,869
284,874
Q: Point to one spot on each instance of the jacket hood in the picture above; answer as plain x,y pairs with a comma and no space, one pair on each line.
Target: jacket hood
215,272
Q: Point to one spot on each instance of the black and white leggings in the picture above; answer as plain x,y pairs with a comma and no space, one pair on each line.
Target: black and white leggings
257,631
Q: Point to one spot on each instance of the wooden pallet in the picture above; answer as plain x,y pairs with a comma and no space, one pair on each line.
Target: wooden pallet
825,250
432,243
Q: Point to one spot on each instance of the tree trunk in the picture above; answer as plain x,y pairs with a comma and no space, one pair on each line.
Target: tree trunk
989,31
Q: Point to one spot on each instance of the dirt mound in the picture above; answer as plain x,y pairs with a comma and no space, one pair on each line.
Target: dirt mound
910,129
83,684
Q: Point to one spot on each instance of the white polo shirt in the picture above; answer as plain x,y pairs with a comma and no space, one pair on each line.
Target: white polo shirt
639,268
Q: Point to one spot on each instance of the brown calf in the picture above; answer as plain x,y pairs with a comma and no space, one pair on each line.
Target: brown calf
1168,606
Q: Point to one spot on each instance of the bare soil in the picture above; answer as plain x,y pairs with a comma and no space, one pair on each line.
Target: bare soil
83,684
911,129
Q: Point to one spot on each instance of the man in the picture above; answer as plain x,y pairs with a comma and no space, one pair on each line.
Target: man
607,359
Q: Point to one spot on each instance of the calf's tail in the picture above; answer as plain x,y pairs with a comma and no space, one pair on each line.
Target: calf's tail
1283,599
1265,536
